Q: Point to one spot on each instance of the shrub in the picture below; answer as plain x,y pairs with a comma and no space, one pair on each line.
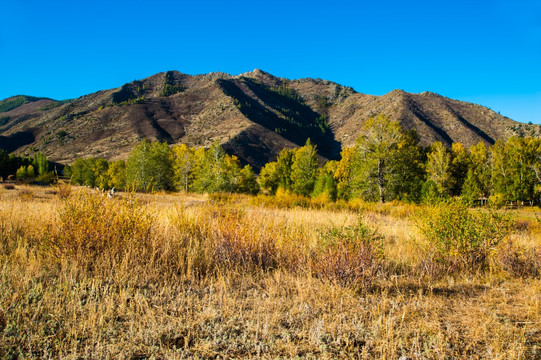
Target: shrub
221,198
282,199
349,255
519,261
237,245
63,189
463,238
222,238
26,194
237,250
94,230
497,200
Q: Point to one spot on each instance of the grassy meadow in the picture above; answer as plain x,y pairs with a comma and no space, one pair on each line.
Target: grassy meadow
179,276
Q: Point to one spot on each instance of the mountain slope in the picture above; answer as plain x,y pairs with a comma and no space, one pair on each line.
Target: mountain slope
253,115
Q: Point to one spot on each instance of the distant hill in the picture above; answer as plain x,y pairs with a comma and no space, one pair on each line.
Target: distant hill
253,115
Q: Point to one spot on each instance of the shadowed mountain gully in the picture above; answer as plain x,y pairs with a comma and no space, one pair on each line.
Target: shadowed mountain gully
253,115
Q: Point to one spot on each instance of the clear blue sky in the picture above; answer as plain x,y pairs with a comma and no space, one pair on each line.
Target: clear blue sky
488,52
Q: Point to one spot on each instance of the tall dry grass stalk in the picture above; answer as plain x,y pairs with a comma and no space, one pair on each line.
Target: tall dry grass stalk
163,276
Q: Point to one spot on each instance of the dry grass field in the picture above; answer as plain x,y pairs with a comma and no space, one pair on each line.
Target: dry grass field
179,276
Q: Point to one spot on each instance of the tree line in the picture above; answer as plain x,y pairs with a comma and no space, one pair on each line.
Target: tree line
36,168
157,166
387,163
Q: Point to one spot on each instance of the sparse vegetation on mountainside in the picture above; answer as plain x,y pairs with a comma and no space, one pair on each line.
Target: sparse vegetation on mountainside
252,115
16,101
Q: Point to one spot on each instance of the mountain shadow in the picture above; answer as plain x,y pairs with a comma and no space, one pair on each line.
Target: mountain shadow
15,141
282,111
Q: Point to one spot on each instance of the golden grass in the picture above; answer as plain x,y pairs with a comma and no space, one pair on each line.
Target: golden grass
188,276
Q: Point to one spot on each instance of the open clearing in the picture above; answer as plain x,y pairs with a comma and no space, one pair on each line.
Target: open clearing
188,276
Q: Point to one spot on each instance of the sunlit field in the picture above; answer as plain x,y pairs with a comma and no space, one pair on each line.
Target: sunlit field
172,276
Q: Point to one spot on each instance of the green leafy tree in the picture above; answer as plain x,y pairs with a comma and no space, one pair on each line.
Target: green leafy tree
472,188
534,145
460,163
304,169
277,174
326,183
40,163
231,174
216,159
91,172
149,166
344,173
268,177
30,172
501,171
215,170
202,172
430,193
116,174
82,172
100,169
284,168
248,181
438,167
22,173
408,172
479,174
184,164
521,153
376,151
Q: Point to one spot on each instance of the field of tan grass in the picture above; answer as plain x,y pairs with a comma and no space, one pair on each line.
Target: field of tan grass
173,276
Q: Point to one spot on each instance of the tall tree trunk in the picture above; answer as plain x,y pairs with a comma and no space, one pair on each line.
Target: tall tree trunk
380,180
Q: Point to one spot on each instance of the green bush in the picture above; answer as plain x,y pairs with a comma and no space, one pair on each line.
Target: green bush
464,239
497,200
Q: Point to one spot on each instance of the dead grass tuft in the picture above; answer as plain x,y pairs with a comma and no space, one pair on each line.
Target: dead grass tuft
185,276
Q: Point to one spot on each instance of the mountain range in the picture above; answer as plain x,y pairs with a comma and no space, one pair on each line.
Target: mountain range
253,115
